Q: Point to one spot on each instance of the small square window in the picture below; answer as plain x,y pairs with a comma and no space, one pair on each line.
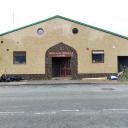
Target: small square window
19,57
98,56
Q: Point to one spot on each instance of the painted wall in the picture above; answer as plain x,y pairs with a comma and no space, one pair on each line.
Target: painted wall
56,31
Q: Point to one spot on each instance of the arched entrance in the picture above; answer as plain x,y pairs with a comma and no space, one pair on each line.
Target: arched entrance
61,61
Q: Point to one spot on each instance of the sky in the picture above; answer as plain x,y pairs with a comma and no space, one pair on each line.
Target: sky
110,15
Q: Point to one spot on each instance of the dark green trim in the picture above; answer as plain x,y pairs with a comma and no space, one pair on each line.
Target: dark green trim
28,25
57,16
93,27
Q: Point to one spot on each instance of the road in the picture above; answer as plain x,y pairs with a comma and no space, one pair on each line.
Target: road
64,106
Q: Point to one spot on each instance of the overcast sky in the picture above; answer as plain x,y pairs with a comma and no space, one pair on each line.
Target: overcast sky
111,15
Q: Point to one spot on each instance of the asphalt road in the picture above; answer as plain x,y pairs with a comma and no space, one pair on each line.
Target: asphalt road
65,106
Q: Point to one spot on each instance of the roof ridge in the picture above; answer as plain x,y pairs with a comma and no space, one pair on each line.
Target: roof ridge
61,17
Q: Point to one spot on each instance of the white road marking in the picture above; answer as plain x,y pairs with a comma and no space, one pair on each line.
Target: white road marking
21,106
39,113
70,110
11,113
118,110
55,112
44,113
114,109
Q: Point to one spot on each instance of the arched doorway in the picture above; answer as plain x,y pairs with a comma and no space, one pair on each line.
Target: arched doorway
61,61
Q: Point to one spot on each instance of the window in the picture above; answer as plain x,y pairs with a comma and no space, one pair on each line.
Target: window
40,31
98,56
75,30
19,57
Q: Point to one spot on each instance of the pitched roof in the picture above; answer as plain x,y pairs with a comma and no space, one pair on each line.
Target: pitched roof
64,18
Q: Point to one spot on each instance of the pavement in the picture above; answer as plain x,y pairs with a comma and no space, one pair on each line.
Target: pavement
79,106
64,82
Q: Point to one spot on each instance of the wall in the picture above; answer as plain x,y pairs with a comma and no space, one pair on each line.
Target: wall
56,31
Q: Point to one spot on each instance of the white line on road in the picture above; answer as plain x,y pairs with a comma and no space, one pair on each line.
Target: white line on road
44,113
70,110
55,112
40,113
115,109
11,113
118,110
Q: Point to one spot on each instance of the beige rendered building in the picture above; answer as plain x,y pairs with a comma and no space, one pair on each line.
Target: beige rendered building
61,47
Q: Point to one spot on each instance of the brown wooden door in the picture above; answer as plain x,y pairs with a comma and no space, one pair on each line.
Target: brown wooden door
65,69
61,66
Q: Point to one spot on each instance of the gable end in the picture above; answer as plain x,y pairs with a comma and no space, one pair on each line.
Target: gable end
64,18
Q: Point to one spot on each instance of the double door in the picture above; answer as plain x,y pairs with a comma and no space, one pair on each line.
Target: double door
61,66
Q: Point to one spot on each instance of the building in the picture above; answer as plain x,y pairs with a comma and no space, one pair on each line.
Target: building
61,47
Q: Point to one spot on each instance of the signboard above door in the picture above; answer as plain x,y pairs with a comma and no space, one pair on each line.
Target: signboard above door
60,54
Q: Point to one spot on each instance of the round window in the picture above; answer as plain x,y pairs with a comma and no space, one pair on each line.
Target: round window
40,31
75,30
